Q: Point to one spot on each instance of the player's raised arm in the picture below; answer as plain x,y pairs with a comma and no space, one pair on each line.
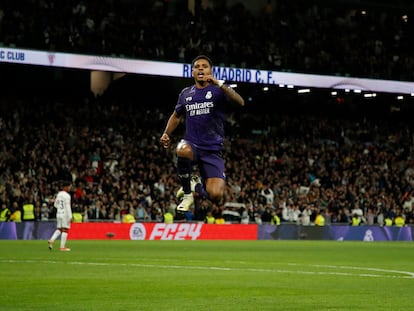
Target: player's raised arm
172,124
232,95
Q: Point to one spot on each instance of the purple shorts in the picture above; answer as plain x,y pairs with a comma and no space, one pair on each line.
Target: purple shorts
209,162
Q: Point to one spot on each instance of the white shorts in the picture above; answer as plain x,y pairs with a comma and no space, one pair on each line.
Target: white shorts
62,222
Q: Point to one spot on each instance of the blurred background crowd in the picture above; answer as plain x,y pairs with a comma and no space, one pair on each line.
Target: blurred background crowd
286,156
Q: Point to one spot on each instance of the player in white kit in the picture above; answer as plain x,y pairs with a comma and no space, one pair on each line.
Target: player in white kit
63,216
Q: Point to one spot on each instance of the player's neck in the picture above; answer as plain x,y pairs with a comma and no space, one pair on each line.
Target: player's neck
202,84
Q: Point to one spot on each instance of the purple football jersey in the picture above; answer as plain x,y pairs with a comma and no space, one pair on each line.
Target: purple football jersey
204,116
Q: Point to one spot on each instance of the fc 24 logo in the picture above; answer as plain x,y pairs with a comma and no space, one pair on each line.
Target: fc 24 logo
162,231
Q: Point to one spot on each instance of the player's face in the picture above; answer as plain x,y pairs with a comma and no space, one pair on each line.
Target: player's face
200,69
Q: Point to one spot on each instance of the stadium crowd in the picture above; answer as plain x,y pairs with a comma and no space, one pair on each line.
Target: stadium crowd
295,165
326,37
291,164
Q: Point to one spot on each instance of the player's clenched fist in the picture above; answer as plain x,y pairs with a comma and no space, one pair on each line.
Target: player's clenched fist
165,140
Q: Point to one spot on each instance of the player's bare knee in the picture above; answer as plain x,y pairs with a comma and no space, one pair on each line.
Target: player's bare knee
216,196
184,150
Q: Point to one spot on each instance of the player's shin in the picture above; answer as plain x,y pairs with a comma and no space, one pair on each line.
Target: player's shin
184,173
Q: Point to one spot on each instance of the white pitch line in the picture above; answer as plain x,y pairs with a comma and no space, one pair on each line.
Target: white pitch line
404,274
409,274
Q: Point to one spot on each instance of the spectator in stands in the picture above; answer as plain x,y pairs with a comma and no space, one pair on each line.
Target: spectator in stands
399,220
28,216
141,213
305,215
266,215
356,220
267,193
370,217
210,219
168,217
16,213
408,202
189,216
320,218
244,215
128,218
4,213
275,220
44,212
231,215
409,216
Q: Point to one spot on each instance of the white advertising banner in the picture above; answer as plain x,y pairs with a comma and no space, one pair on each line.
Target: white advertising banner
180,70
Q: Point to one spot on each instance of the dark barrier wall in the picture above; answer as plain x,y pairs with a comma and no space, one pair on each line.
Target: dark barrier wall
193,231
337,232
26,230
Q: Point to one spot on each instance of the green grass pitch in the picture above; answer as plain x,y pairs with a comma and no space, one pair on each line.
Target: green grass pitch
207,275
